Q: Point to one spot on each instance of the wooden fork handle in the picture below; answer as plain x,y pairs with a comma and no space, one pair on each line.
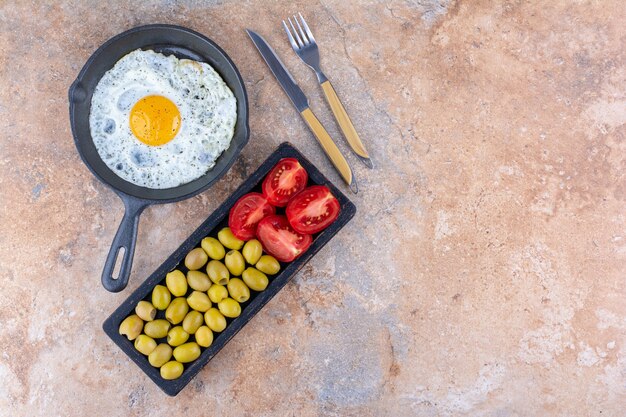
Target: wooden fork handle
331,150
344,120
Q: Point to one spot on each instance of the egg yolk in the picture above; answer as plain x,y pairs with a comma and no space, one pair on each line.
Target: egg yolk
154,120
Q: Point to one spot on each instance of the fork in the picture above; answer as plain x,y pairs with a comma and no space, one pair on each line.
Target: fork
305,46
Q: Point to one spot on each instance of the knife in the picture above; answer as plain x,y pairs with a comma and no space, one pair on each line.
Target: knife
301,103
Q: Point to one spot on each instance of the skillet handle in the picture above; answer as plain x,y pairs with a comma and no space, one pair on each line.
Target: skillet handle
125,237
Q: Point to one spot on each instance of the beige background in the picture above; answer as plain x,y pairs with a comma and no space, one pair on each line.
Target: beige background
484,274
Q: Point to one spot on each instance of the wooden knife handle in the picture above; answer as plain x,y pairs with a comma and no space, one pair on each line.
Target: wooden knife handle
344,120
333,153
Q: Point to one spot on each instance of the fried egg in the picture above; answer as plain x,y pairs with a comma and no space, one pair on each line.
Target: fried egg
158,121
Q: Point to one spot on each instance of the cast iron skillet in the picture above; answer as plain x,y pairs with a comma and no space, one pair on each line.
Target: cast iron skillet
168,40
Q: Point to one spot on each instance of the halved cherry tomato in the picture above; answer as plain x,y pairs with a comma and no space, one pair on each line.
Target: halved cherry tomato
280,240
247,213
312,210
284,181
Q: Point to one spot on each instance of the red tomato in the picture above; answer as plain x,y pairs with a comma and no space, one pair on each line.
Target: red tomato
284,181
312,210
247,213
280,240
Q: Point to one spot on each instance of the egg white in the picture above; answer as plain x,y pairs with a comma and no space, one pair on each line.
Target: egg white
207,107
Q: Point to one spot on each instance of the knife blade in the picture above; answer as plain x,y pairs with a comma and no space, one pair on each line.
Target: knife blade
301,103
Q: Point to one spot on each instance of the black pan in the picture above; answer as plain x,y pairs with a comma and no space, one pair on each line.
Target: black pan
168,40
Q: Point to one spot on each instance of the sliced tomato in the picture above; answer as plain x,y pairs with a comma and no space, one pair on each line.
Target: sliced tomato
312,210
246,214
280,240
284,181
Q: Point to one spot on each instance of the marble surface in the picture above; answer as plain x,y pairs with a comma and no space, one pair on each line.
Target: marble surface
484,274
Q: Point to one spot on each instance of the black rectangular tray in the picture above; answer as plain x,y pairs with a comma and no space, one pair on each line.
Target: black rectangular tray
257,300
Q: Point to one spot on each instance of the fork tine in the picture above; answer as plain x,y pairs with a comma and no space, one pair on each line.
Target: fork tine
292,41
304,37
295,34
306,28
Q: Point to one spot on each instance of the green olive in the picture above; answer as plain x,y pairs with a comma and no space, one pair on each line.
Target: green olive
177,336
252,251
204,336
160,355
217,272
213,248
234,262
176,283
177,310
157,328
199,301
238,290
193,320
186,353
255,279
229,307
131,327
145,344
172,370
196,259
215,320
217,293
229,240
198,281
145,310
161,297
268,265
